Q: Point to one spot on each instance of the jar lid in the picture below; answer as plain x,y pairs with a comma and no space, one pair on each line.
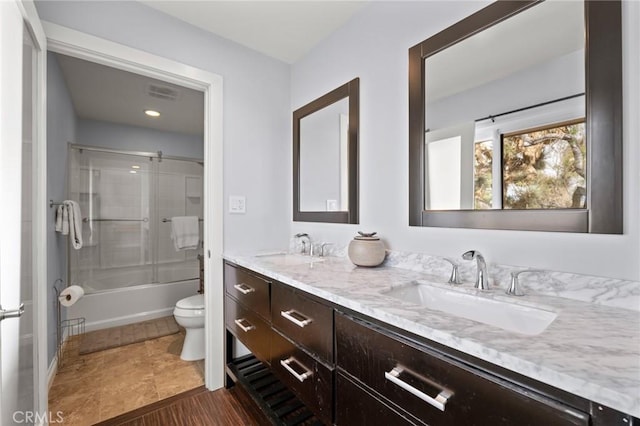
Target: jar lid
366,236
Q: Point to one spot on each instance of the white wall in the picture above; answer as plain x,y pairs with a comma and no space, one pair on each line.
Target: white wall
374,46
61,128
256,106
125,137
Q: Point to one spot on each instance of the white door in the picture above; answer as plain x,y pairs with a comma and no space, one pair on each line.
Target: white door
21,261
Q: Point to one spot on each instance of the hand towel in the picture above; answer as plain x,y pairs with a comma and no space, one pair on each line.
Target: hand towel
185,232
74,223
62,219
59,215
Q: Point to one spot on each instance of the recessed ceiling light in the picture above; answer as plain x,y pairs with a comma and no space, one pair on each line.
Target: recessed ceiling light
135,167
133,171
152,113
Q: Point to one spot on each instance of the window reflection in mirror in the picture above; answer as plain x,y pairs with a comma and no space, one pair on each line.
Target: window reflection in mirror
524,73
324,184
545,168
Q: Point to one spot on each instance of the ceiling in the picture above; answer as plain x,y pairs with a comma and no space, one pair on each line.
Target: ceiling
99,92
285,30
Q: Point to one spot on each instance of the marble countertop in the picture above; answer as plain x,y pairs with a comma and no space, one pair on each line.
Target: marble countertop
589,350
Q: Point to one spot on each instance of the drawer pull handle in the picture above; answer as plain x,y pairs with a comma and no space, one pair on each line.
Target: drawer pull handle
243,288
439,401
288,315
244,328
302,377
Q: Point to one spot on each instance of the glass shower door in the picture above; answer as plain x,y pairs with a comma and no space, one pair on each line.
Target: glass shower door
179,193
115,195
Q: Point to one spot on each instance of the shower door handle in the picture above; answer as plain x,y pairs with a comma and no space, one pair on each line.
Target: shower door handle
11,313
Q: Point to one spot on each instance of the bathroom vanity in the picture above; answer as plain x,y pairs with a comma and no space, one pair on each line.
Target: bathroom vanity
333,337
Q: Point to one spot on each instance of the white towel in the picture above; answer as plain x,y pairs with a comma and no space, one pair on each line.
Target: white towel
59,214
185,232
69,222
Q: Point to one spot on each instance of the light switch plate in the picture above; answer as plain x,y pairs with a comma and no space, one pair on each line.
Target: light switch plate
237,204
332,205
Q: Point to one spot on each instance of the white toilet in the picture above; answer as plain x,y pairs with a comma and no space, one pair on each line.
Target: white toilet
189,313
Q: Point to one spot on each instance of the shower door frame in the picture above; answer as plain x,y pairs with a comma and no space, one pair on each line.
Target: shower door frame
94,49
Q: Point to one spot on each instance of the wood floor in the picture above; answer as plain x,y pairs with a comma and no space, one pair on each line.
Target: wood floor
197,407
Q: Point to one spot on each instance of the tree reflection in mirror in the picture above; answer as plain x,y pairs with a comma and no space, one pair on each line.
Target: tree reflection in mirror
545,168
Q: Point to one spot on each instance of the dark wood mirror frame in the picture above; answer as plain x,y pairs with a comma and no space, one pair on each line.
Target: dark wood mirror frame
603,81
350,90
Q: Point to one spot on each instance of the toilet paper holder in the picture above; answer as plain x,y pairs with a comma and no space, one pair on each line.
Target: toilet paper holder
68,333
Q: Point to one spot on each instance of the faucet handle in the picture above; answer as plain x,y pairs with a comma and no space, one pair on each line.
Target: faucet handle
322,246
454,278
514,286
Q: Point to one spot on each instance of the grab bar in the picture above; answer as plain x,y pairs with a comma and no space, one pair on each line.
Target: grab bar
165,220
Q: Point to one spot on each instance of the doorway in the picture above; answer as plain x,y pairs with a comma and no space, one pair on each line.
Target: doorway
79,45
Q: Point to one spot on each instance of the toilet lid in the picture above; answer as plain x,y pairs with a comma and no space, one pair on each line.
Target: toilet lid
191,302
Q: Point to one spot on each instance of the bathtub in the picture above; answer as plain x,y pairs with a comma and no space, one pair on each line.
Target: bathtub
106,308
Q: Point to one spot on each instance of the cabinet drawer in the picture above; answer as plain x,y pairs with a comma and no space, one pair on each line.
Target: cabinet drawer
249,328
308,378
355,406
436,389
303,320
248,289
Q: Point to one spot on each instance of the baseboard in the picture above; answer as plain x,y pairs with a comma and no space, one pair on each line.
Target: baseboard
51,372
128,319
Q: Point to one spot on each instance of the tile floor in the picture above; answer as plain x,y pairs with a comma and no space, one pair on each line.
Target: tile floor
95,387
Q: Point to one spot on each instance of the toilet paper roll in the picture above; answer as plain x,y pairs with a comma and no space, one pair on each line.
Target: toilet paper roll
71,295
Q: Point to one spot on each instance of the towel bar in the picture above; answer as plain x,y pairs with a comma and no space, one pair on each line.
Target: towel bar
165,220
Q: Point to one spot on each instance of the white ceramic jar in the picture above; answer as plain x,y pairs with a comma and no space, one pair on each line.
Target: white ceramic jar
366,250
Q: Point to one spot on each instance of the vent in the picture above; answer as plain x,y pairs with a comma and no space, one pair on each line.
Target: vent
162,92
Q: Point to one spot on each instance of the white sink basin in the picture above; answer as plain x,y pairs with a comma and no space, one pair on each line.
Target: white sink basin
289,259
484,309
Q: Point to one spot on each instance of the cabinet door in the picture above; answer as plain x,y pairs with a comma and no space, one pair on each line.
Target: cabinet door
303,320
248,289
249,328
436,389
308,378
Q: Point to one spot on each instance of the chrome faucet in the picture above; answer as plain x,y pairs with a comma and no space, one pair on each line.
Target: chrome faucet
482,277
454,278
514,287
306,240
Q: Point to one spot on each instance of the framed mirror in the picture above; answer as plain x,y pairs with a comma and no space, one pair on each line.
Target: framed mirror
515,120
325,157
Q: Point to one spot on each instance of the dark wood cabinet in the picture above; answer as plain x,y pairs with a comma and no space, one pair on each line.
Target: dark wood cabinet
249,328
286,330
248,289
308,323
436,390
349,369
310,379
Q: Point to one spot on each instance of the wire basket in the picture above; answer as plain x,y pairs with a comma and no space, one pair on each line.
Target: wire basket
70,333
